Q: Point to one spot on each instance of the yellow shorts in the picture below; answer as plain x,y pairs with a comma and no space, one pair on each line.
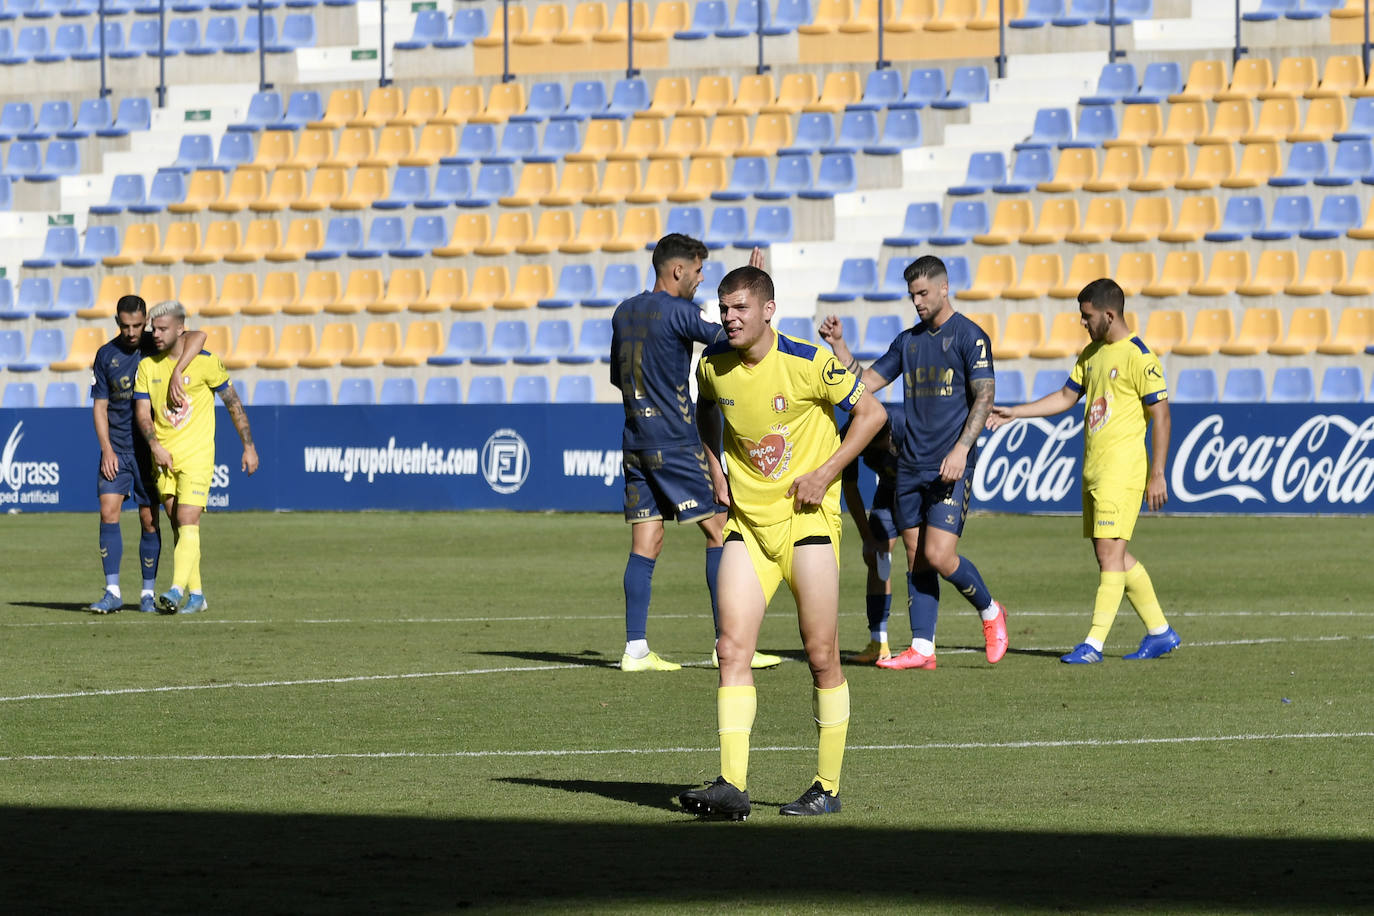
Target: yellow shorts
191,486
1110,512
770,546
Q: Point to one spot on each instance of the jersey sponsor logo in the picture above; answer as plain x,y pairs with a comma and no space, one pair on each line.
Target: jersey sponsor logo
1152,371
178,417
779,403
856,394
505,461
834,373
1099,414
728,402
772,454
686,504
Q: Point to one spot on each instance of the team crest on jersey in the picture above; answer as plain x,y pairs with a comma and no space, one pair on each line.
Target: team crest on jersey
179,416
1113,374
1098,415
779,403
772,454
944,345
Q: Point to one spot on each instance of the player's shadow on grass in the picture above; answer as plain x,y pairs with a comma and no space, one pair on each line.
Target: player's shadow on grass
1012,650
587,658
656,795
74,607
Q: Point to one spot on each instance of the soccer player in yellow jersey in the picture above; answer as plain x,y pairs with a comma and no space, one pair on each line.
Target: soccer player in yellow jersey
1125,392
775,395
182,441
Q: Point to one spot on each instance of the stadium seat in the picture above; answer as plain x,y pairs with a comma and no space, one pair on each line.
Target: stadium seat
1324,269
532,283
47,345
984,171
1105,217
879,332
1074,167
1259,329
337,341
1096,124
1291,215
1056,219
312,392
1243,386
1211,328
59,243
1052,126
423,339
1352,162
1083,269
1010,221
466,339
995,273
443,390
355,391
1135,270
1195,386
593,343
1114,83
20,395
1039,274
968,85
487,389
1306,161
967,219
924,86
1307,328
1354,332
1340,384
296,342
857,276
1141,125
1046,382
394,391
1032,166
893,287
921,221
573,389
381,339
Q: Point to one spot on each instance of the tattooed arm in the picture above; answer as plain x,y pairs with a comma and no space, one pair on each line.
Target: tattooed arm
230,397
952,468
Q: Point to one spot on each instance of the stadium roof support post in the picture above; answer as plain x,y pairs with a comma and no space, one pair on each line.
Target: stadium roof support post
1240,50
1113,55
104,89
506,75
161,53
881,63
382,81
630,71
263,84
762,68
1001,58
1364,47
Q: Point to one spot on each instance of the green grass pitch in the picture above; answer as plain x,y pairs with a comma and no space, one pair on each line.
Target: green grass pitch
420,713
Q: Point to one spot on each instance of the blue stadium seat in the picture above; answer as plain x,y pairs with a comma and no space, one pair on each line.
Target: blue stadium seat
100,242
689,221
1243,386
426,234
1052,127
901,130
593,343
1195,386
922,220
62,394
1293,385
728,225
1306,161
35,295
1114,83
1339,213
48,345
1242,216
183,34
893,287
142,39
487,389
959,272
530,389
469,22
708,16
791,174
1352,162
384,235
552,339
452,183
628,96
1081,13
518,140
968,86
816,129
443,389
168,187
409,184
59,243
430,26
23,159
248,40
1096,124
312,392
772,225
1361,126
1341,385
134,115
16,118
1313,9
356,391
967,218
302,108
196,151
712,272
748,175
91,115
879,333
1047,381
1032,166
6,193
1292,214
746,19
1161,80
1127,11
53,117
1010,386
857,276
836,174
271,392
924,86
11,345
788,15
342,234
7,312
561,136
858,129
881,89
1269,10
30,42
575,283
509,339
61,158
466,339
264,110
618,283
1039,13
221,33
797,327
984,171
20,395
235,149
586,99
573,389
543,101
494,181
73,294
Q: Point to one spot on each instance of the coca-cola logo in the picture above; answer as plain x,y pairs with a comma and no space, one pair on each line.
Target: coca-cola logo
1323,460
1011,466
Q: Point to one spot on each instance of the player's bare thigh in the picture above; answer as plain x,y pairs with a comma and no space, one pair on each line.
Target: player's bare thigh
741,603
816,587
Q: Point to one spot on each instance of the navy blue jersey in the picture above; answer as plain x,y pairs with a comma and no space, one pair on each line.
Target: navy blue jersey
936,367
880,457
112,379
651,361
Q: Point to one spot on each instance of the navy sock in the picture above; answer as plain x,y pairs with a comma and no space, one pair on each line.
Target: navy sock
970,584
639,576
923,592
712,569
111,551
149,551
878,608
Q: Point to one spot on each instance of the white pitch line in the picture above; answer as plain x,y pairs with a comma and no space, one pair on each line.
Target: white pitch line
605,752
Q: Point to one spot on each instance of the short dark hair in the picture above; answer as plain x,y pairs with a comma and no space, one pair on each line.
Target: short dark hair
748,277
927,266
129,304
674,247
1105,295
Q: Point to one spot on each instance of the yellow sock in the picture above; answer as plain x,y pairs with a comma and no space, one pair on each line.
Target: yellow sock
193,581
831,706
735,707
186,557
1141,592
1110,587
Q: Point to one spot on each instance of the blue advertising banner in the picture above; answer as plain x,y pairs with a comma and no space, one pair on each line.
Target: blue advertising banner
1224,458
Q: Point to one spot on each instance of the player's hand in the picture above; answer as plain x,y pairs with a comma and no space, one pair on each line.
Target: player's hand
720,487
756,258
176,392
1156,492
250,460
808,491
952,468
999,417
161,457
831,330
109,464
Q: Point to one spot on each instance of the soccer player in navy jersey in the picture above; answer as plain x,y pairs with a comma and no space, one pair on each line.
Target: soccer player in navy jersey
666,473
126,466
945,363
877,528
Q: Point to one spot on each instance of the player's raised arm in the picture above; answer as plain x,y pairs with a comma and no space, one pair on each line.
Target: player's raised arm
234,405
1051,404
808,490
831,331
1156,488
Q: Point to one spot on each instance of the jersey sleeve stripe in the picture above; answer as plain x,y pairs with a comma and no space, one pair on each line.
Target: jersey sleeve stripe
1073,386
1155,397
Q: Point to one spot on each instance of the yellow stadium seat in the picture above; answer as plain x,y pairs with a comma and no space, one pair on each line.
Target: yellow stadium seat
987,321
686,137
112,287
995,273
914,14
670,16
81,355
512,228
261,236
1075,167
344,105
1361,279
771,131
954,15
1274,270
1259,329
839,89
1325,268
393,144
1083,269
619,25
425,102
245,186
1306,329
1057,219
274,148
236,295
140,241
1182,271
1139,125
295,343
354,145
217,337
369,185
1197,216
205,187
1067,337
1258,164
470,229
644,136
1354,331
729,134
618,180
1135,270
827,17
1296,76
705,177
1038,274
1164,330
447,286
221,237
1251,76
1211,329
423,339
383,104
488,285
503,101
313,147
1229,269
180,240
1365,232
863,19
1324,118
464,101
671,95
1168,165
796,91
1010,221
302,236
380,340
287,187
280,288
532,283
322,288
404,287
436,142
1024,330
755,91
602,138
713,93
1342,75
1149,217
641,226
1277,119
255,343
577,180
362,291
597,227
197,291
1205,79
536,181
1215,163
1187,121
549,19
327,187
155,288
1234,120
1105,215
553,229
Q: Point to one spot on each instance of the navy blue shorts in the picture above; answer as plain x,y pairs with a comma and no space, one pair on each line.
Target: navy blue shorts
881,524
924,499
134,478
674,482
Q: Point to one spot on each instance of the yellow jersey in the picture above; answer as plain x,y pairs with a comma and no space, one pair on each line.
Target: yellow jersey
188,433
1119,380
779,421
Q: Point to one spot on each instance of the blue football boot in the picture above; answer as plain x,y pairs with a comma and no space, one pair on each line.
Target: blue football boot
1155,646
1081,654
